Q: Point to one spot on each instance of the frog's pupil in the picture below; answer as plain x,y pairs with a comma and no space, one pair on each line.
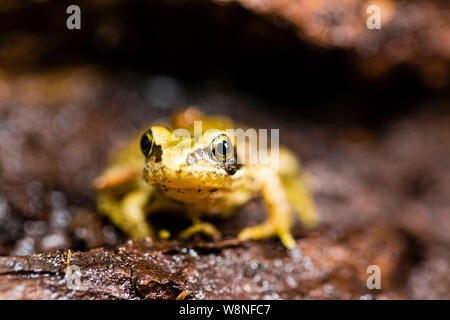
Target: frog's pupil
223,148
145,145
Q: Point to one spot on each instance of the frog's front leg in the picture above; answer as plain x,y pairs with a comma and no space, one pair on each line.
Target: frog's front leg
128,213
200,227
280,219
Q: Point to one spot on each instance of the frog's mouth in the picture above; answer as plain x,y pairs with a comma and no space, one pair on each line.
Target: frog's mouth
191,177
195,191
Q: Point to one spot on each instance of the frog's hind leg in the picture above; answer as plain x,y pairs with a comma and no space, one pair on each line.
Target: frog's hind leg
301,200
280,219
198,226
294,184
128,212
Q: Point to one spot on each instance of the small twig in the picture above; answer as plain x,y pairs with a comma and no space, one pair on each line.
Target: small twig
69,256
182,295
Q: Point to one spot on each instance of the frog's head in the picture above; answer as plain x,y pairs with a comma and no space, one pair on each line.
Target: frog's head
175,160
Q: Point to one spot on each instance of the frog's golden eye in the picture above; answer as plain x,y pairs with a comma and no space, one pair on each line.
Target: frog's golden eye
147,143
221,149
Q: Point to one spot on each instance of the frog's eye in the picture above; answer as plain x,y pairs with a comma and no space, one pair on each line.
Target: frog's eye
221,149
147,143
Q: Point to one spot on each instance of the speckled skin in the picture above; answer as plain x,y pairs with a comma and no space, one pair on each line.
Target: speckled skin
180,174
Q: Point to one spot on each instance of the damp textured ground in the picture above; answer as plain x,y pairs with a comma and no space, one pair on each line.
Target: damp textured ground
366,112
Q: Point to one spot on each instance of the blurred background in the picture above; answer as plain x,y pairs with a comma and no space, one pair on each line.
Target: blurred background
366,110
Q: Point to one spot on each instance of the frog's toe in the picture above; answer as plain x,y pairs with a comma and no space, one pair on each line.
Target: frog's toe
200,227
266,230
263,230
164,234
287,239
140,231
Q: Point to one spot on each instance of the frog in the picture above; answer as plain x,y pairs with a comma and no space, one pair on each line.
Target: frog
201,176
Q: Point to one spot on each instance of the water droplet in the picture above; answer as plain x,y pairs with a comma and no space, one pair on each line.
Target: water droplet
291,282
60,218
308,264
275,296
296,254
35,228
288,268
163,92
57,199
193,253
34,188
277,263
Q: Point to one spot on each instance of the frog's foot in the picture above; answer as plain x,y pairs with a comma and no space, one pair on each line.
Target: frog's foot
268,229
280,218
139,230
200,227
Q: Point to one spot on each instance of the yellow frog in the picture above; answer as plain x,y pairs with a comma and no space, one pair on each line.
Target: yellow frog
200,176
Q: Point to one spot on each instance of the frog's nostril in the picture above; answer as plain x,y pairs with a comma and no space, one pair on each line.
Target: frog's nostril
231,167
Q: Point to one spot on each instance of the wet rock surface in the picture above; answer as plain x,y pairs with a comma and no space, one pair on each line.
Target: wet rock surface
319,269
